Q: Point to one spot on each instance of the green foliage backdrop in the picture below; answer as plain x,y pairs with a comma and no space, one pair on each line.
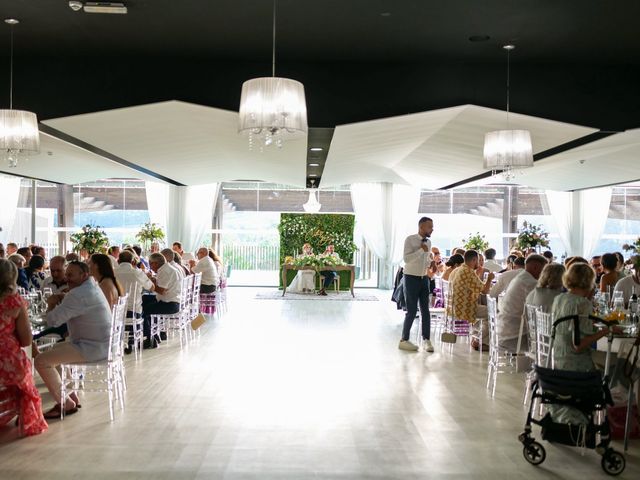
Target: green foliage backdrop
319,230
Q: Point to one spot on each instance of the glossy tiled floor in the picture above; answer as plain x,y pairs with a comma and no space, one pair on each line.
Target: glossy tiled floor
299,390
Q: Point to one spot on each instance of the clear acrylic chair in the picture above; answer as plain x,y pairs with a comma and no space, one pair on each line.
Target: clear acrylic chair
530,317
102,376
172,322
500,359
134,326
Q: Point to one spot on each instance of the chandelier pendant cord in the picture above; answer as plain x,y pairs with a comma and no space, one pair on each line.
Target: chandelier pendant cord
11,72
508,83
273,49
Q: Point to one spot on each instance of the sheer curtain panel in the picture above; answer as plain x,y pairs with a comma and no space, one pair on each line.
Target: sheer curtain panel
9,195
595,211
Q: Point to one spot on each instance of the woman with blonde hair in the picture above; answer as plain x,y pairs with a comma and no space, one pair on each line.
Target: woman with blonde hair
579,280
15,367
548,288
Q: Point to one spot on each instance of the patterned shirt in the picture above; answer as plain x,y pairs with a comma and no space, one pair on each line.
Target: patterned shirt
465,289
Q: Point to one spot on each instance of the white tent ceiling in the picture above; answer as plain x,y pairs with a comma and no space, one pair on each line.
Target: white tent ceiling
609,161
192,145
430,149
188,143
59,161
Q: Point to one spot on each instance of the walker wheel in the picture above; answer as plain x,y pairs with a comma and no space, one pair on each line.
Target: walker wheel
534,453
613,462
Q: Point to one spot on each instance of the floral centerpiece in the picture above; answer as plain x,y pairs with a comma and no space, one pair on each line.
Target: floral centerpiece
321,260
91,239
532,236
475,242
149,233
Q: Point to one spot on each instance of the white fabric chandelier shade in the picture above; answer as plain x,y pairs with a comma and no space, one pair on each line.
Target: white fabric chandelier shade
507,148
19,135
312,205
273,108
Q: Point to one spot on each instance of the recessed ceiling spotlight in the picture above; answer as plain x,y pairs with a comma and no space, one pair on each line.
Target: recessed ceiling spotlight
314,164
313,175
509,47
385,14
479,38
11,21
316,149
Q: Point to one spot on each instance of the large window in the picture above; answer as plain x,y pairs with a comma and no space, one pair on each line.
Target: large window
623,223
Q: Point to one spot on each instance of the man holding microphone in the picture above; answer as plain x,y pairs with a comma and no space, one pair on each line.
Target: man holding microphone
416,257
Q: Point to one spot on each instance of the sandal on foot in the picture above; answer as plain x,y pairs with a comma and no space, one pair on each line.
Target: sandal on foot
55,412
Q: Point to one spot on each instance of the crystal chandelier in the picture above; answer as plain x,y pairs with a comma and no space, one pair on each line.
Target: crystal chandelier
507,151
312,205
19,136
272,108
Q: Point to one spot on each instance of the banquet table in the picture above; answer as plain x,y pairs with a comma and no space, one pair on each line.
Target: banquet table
338,268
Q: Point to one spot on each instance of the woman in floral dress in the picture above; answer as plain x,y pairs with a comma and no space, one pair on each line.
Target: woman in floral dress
15,367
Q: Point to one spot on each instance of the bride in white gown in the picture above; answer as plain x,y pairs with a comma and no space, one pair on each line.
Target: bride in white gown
305,280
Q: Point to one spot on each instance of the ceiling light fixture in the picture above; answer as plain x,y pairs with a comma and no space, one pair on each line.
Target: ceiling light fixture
316,149
104,7
272,108
19,135
508,151
314,164
312,205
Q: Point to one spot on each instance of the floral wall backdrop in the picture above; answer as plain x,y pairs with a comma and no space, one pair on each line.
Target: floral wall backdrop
319,230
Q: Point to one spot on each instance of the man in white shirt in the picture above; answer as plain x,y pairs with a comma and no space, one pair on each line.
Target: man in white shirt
505,278
86,313
186,256
627,285
490,261
130,277
56,281
512,304
169,256
168,286
206,266
417,256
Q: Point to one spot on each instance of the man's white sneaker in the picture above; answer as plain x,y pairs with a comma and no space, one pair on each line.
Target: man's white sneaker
407,345
426,345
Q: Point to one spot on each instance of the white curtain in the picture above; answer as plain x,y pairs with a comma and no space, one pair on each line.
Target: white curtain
561,209
9,195
185,213
369,206
595,211
158,203
580,218
200,202
385,215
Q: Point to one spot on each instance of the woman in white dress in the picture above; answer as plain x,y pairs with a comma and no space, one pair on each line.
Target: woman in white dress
305,280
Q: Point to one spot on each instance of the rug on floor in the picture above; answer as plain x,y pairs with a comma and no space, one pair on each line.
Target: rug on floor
341,296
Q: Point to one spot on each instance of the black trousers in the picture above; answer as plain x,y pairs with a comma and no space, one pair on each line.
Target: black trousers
207,288
416,291
329,275
151,306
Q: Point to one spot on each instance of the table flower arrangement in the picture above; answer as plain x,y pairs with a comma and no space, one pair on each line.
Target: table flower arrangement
475,242
149,233
321,260
531,236
91,239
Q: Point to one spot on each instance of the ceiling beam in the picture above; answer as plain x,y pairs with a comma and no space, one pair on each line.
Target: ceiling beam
103,153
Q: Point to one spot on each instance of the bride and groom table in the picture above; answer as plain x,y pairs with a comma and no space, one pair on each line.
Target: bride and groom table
336,268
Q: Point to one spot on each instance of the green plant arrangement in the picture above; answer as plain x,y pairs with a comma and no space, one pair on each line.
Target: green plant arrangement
475,242
319,231
90,239
315,261
149,233
632,247
532,236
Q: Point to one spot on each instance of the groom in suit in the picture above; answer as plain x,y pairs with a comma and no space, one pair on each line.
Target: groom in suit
329,275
